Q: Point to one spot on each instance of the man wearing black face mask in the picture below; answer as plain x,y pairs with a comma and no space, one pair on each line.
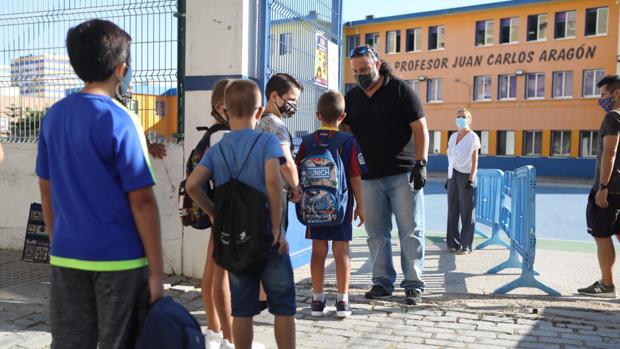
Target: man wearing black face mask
603,210
386,117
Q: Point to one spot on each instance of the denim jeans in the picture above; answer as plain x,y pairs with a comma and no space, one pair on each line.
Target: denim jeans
384,197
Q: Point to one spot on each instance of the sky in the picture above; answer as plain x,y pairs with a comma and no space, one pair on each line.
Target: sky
358,9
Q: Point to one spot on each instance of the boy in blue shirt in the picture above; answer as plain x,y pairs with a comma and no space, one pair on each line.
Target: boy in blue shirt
330,112
261,172
98,202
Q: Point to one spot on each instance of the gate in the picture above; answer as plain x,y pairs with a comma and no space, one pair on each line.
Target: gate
304,41
35,70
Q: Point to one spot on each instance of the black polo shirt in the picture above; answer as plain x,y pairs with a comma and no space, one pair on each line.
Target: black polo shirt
381,125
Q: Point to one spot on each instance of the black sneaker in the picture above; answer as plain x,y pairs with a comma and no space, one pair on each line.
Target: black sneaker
377,292
318,308
343,309
598,289
413,297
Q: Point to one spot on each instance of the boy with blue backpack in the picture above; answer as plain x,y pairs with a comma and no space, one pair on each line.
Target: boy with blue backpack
247,236
330,166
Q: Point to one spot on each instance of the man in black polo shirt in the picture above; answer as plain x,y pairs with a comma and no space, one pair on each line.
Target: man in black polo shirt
386,117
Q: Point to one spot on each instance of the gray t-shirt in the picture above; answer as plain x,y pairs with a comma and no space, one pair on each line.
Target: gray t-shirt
272,124
609,127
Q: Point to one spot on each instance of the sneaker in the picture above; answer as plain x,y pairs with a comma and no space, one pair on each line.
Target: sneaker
225,344
213,339
343,309
599,290
452,250
377,292
318,308
463,251
413,297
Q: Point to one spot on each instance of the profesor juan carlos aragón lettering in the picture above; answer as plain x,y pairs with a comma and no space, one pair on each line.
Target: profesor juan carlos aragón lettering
507,58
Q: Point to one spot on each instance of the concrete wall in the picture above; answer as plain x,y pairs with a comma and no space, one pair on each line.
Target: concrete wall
19,187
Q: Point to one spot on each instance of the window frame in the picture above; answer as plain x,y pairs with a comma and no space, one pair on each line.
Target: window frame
597,21
506,132
536,88
438,29
417,36
562,132
596,90
510,30
485,86
566,21
283,49
538,26
508,89
356,41
396,41
489,32
553,81
436,89
434,139
415,85
536,134
376,40
593,144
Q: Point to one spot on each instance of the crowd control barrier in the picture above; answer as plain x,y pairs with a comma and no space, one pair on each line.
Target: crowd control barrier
489,201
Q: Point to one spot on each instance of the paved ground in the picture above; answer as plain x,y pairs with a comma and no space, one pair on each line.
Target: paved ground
459,309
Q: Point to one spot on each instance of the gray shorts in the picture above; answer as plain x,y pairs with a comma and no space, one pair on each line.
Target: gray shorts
88,307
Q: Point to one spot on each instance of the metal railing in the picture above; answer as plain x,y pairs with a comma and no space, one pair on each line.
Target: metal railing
35,70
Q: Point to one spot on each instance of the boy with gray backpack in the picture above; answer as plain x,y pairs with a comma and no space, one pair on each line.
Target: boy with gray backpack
330,166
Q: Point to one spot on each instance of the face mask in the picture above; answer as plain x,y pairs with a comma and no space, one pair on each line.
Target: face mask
124,85
461,123
366,80
287,109
607,103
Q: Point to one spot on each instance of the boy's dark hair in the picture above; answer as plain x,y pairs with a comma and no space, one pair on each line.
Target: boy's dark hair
611,81
330,106
241,98
281,83
95,48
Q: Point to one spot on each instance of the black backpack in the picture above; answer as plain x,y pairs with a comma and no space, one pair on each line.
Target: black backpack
190,213
240,245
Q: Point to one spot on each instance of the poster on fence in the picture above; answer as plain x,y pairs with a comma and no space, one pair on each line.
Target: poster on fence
36,242
333,66
320,61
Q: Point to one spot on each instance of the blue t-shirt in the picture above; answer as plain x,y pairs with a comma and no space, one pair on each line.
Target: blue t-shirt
235,146
93,151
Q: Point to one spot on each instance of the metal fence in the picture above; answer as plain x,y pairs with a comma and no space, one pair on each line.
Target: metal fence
304,41
35,70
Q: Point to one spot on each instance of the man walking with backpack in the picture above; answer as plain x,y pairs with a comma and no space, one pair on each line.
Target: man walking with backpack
248,239
386,117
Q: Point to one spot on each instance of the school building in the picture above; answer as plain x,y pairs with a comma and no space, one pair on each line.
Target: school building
526,69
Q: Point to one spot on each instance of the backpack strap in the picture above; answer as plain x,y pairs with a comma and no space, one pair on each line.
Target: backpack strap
247,156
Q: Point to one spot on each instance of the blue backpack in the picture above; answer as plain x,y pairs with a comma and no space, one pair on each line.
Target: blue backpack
168,325
323,181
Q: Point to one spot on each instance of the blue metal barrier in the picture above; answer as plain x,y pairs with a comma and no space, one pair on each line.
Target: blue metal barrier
489,201
520,225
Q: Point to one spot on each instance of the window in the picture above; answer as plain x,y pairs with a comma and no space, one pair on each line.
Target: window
353,41
482,88
373,39
535,86
590,79
589,148
415,84
160,108
286,42
596,21
562,84
509,31
560,143
532,143
484,33
414,40
436,37
392,41
484,142
505,142
537,27
134,105
434,91
565,24
434,142
507,87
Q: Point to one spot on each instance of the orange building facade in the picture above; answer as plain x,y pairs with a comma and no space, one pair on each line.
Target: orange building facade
526,69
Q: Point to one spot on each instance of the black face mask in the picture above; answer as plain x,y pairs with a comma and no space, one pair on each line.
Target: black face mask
366,80
287,109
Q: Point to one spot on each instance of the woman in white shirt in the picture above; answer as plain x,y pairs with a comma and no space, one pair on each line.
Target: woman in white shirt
462,166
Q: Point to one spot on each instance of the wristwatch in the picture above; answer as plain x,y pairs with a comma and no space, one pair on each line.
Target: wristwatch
421,163
602,186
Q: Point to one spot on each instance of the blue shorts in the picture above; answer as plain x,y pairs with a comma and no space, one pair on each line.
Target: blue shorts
277,278
343,232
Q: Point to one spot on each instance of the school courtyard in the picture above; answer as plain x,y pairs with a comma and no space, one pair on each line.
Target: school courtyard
459,308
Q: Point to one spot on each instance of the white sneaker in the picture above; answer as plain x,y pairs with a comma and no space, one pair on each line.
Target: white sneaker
225,344
213,339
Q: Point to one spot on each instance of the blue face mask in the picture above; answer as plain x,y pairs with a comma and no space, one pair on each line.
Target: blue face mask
461,123
607,103
124,86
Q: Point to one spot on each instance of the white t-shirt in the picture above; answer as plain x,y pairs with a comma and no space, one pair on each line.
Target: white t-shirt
459,155
217,136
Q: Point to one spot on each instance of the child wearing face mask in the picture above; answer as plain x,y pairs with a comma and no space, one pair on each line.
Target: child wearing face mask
462,167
